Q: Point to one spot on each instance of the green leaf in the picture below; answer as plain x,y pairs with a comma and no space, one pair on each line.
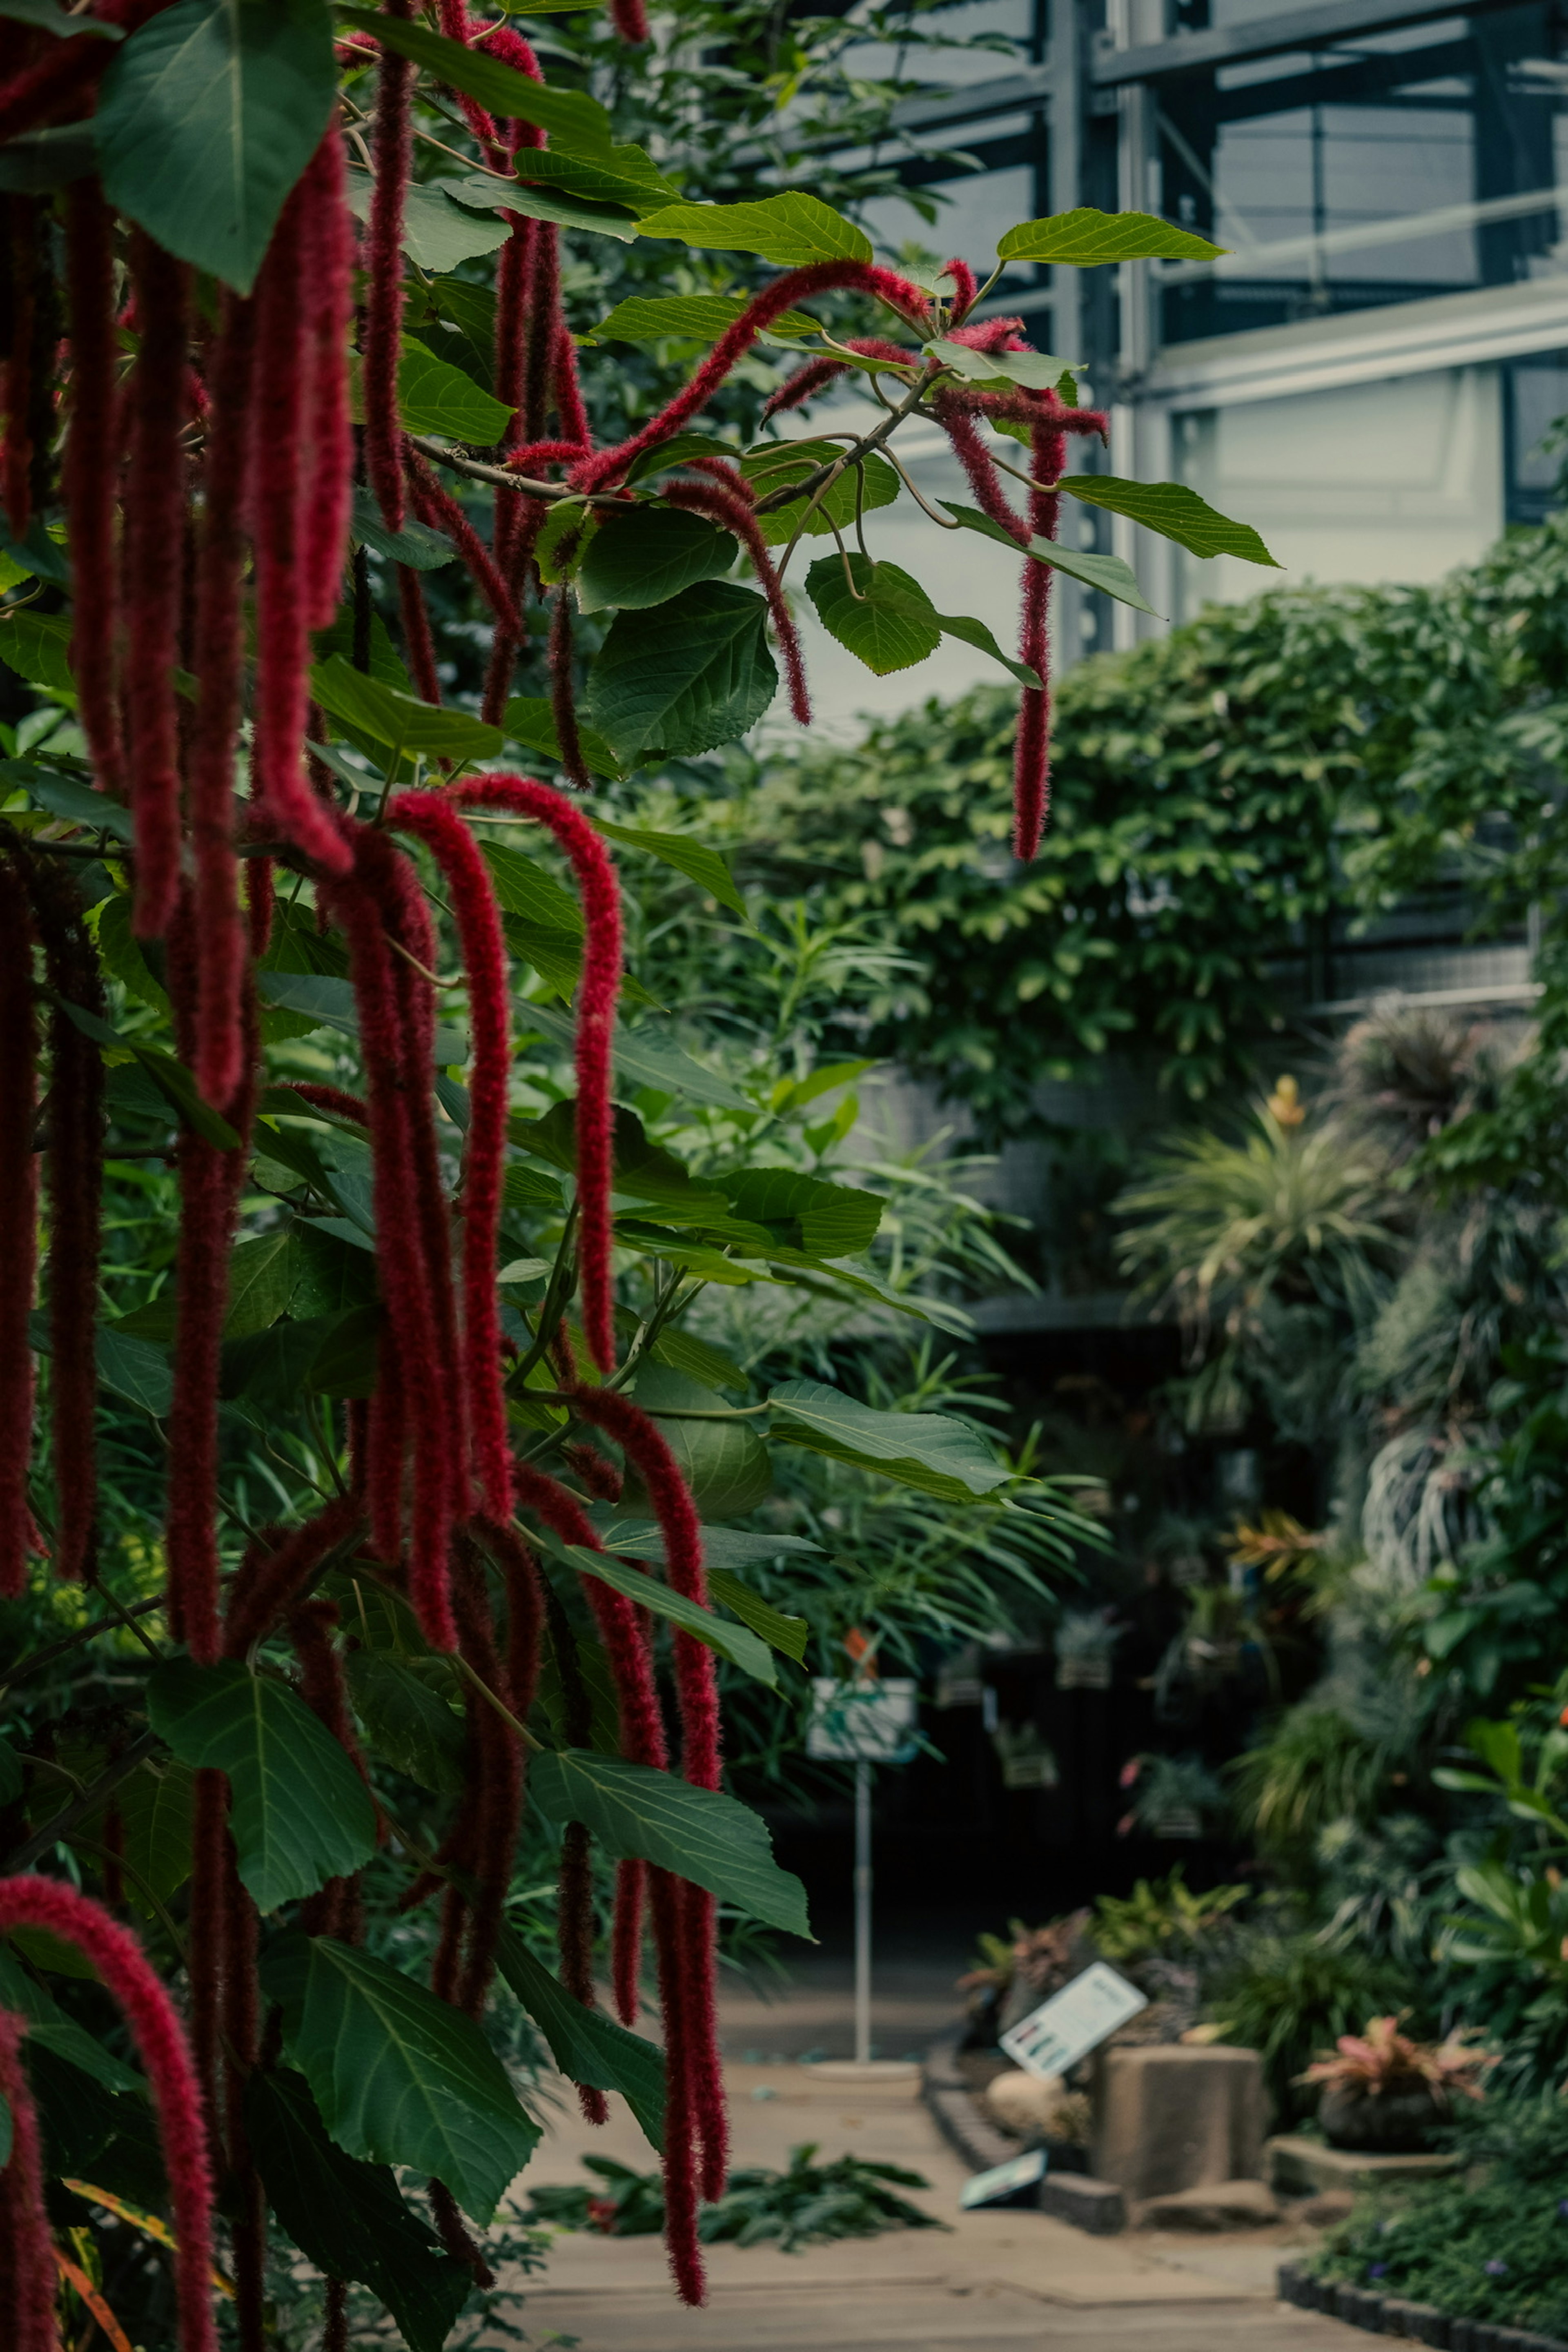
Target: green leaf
573,122
408,1722
301,1812
466,317
390,718
37,647
698,1833
537,203
434,396
789,1635
47,16
131,1368
1036,370
679,450
261,1277
63,796
1108,572
530,721
774,464
693,858
437,235
724,1463
399,2077
421,549
205,120
691,674
157,1812
347,2217
649,555
975,633
808,1213
887,620
1173,510
1086,236
790,229
736,1643
625,177
587,2046
41,161
120,952
50,2029
930,1451
647,318
641,1061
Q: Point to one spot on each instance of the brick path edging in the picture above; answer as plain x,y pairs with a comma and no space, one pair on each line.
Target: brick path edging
1418,2323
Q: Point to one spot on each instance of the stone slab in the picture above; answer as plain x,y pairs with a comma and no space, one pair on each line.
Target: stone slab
1170,2117
1218,2205
1295,2166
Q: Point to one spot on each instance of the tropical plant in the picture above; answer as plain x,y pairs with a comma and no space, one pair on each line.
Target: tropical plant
808,2204
1314,1767
1172,1796
1162,1916
1285,1994
438,1270
1381,2060
1272,1250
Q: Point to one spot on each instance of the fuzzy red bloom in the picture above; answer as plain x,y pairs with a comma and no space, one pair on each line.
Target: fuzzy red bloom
631,1666
16,454
19,1225
26,2246
327,259
543,306
965,286
153,562
571,413
524,1604
419,644
794,286
596,994
88,482
277,1566
626,1939
217,659
431,818
335,1100
727,503
210,1180
259,902
630,20
396,1023
160,2040
1031,756
681,2242
383,339
957,421
436,507
283,611
76,1189
204,1958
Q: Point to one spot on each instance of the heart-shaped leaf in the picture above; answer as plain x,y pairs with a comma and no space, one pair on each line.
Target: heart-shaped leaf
691,675
206,117
790,229
1173,510
1086,236
930,1451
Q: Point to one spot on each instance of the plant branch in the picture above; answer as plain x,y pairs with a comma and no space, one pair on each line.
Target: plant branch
24,1856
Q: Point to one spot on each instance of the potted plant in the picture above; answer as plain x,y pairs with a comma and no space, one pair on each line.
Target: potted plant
1384,2094
1174,1797
1084,1642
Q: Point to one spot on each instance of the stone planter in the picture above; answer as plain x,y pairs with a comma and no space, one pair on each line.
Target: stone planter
1385,2123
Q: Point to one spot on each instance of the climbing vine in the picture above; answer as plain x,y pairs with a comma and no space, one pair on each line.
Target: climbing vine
263,821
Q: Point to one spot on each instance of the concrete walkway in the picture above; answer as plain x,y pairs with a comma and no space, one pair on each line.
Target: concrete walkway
989,2278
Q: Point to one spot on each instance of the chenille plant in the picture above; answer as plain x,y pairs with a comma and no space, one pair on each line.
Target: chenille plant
258,823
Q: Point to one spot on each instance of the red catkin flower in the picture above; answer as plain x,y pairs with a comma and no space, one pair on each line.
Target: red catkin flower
596,994
280,523
1031,757
17,455
75,1191
794,286
326,262
160,2040
682,2245
88,482
335,1100
419,643
383,337
626,1939
436,507
27,2245
725,502
204,1965
153,563
630,20
217,659
19,1225
431,818
279,1565
965,286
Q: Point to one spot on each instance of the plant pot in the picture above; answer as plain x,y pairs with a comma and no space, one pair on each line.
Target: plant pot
1385,2123
1178,1823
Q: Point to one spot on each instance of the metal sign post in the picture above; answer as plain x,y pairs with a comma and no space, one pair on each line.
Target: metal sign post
864,1722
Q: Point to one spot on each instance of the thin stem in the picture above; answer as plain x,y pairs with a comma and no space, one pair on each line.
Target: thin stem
39,1844
536,1747
38,1659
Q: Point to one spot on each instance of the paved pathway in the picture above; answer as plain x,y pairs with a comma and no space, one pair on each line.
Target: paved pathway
989,2280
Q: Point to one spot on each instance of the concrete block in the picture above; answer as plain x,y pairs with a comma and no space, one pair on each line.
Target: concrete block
1097,2205
1295,2166
1425,2323
1171,2117
1218,2205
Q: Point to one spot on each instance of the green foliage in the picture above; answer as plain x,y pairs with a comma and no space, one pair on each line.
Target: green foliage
1488,2242
808,2204
1162,1917
1289,1996
1312,1769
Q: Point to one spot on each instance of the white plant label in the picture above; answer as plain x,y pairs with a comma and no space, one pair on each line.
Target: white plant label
1073,2021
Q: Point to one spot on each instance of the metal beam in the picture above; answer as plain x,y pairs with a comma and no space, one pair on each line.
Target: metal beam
1316,28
